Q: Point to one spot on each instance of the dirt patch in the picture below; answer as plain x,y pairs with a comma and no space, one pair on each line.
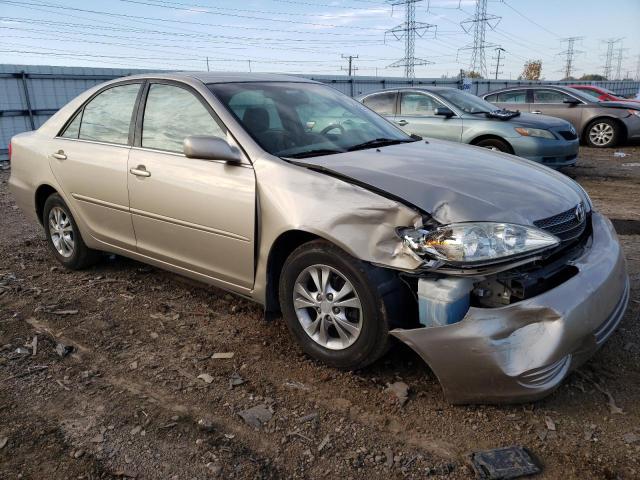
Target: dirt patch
626,227
131,398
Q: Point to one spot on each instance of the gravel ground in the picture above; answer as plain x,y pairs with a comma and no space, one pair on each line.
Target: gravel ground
141,395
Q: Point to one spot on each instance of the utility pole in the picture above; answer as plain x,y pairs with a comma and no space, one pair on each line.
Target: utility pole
611,43
478,23
207,64
499,50
249,65
408,30
351,68
569,53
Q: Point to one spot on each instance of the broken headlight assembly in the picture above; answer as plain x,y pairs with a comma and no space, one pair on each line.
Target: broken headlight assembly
476,243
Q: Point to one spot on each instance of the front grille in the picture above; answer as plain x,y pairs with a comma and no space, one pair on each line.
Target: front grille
566,225
568,135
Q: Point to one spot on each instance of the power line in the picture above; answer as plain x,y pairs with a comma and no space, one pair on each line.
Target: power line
526,17
408,30
569,53
479,23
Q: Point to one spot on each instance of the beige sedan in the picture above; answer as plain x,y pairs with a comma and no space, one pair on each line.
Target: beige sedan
496,270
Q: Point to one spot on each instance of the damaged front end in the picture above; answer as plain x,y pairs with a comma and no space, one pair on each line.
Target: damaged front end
506,311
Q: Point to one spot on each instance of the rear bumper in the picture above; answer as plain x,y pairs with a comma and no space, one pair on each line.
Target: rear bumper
553,153
522,352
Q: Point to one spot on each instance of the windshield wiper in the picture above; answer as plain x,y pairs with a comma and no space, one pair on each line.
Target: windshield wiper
379,142
315,153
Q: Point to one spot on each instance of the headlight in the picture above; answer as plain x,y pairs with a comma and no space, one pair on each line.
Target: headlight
534,132
477,242
634,112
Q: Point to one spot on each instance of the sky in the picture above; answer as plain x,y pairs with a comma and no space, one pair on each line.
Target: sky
312,36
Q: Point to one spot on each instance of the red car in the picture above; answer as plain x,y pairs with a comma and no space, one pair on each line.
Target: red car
603,94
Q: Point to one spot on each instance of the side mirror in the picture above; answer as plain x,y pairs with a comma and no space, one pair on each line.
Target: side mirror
444,111
210,148
571,101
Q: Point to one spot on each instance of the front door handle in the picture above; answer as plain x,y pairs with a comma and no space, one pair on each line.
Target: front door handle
140,171
402,123
59,155
537,112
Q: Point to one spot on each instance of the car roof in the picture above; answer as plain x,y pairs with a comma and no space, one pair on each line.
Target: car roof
562,88
223,77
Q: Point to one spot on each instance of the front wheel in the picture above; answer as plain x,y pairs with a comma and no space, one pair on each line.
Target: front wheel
494,144
602,133
333,307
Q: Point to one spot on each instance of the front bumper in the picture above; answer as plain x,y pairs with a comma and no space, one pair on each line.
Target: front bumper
632,123
523,351
552,153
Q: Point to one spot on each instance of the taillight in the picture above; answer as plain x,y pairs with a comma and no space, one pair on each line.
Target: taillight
9,151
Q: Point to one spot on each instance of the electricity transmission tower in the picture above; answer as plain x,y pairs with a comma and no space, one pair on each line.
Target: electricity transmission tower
408,31
619,61
351,68
569,53
478,23
611,43
499,50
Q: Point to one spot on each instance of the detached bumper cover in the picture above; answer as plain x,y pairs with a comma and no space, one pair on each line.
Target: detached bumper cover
523,351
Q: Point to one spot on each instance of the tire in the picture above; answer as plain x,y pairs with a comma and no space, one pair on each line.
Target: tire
602,133
374,287
71,251
494,144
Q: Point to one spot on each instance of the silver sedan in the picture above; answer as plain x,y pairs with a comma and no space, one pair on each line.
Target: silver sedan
451,114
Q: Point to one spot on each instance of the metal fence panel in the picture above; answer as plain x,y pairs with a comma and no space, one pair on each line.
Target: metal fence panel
30,94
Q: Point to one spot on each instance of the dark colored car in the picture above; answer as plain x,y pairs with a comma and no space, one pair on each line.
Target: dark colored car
599,124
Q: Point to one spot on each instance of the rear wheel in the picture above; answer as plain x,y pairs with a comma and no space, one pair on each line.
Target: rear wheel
63,236
602,133
495,144
333,305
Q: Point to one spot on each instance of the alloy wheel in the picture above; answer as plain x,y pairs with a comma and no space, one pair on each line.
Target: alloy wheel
601,134
61,231
328,307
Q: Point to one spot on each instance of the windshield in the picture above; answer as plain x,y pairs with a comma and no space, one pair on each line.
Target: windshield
289,119
583,95
467,102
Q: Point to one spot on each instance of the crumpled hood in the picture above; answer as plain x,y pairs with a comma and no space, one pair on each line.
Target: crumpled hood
457,183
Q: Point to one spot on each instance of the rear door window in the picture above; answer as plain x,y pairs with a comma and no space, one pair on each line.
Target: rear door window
512,96
382,103
107,118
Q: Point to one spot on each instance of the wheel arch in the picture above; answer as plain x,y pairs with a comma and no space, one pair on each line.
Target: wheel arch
43,192
281,248
491,136
616,120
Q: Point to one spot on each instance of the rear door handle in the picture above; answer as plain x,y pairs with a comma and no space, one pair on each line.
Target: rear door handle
59,155
402,123
537,112
140,171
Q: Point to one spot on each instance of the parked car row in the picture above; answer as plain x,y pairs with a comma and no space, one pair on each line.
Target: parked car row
497,271
541,123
